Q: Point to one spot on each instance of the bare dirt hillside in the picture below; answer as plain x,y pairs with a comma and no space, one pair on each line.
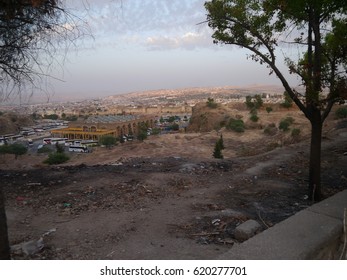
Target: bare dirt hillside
10,123
166,197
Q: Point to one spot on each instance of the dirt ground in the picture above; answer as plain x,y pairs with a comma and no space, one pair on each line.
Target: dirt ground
166,197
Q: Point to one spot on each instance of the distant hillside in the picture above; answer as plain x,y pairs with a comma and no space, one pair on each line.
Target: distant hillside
10,123
191,95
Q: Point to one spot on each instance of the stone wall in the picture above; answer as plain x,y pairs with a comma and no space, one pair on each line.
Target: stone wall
317,232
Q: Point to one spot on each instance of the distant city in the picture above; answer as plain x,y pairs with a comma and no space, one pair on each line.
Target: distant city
148,102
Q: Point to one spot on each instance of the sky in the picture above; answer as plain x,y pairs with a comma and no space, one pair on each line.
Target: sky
141,45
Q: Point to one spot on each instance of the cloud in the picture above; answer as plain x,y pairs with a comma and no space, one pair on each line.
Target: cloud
187,41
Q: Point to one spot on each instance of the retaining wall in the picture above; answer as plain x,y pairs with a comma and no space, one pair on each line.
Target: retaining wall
314,233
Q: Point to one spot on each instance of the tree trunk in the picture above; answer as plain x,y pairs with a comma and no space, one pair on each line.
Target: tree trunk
4,243
315,159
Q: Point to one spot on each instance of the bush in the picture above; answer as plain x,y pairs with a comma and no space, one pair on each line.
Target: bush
15,149
211,103
254,103
269,109
254,117
45,150
288,102
56,158
108,141
236,125
217,153
296,132
341,113
285,123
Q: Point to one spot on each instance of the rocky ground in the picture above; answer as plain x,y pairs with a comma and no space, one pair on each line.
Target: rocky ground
165,198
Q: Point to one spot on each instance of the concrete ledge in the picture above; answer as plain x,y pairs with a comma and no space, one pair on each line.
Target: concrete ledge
314,233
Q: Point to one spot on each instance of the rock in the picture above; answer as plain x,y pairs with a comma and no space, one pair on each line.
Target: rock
29,248
246,230
32,247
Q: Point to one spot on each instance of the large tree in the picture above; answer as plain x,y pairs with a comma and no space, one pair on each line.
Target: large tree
32,34
317,28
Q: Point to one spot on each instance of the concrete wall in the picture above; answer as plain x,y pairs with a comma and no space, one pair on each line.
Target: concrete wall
314,233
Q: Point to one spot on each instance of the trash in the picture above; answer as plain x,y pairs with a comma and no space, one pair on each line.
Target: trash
66,205
216,222
49,232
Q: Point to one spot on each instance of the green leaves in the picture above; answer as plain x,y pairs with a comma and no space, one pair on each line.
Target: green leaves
242,23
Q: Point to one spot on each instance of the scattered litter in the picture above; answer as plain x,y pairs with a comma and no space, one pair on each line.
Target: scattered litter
216,222
49,232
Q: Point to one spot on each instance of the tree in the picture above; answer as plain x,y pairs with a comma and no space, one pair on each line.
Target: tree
108,141
318,28
211,103
217,152
288,102
32,33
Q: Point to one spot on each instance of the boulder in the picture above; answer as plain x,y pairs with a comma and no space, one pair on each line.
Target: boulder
246,230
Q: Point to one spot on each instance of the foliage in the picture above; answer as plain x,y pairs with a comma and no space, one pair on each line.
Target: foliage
175,127
295,132
211,103
15,149
285,123
71,118
236,125
254,117
56,158
288,102
108,141
32,35
59,148
45,149
156,131
142,131
341,113
51,117
142,135
317,29
221,142
269,109
254,102
217,152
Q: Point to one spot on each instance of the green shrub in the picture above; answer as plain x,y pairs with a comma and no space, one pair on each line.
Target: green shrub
236,125
15,149
254,102
341,113
296,132
254,117
288,102
56,158
108,140
285,123
45,150
217,153
269,109
211,103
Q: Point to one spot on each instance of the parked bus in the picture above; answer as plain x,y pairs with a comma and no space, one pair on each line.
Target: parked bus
53,141
78,149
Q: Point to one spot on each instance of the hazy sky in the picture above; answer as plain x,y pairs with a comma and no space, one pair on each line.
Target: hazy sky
150,44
